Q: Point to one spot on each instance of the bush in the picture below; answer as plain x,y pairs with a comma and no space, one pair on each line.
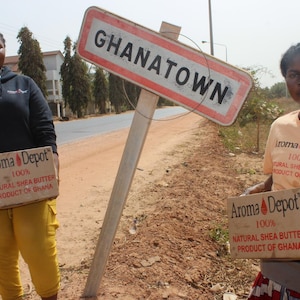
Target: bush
243,137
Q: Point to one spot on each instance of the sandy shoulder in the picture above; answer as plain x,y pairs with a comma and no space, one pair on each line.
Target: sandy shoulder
88,171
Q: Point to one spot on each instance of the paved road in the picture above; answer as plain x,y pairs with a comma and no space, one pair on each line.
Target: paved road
79,129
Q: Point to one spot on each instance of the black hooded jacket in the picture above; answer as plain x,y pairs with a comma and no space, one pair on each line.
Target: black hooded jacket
25,117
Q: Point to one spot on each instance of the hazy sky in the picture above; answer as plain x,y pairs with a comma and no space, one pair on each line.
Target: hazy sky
254,33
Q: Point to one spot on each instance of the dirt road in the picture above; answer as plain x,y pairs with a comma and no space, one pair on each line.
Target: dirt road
88,171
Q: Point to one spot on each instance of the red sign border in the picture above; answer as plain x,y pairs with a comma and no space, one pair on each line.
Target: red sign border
236,74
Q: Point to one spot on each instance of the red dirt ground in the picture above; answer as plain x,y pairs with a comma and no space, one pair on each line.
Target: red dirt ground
178,199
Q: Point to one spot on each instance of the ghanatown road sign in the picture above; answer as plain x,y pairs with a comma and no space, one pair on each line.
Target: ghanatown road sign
182,74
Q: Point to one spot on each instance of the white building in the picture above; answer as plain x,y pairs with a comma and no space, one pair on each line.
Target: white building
52,61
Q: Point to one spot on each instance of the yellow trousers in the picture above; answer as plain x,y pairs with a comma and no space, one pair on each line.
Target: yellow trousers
29,230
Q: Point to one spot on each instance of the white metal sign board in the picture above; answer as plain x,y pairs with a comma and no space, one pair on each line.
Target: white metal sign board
182,74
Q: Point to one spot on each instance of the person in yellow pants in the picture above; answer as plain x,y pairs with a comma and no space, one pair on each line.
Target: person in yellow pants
26,122
30,229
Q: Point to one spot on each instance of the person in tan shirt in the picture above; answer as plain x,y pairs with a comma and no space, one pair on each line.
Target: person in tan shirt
280,279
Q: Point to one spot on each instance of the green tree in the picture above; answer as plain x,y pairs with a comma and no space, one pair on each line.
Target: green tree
278,90
165,102
80,88
258,108
31,59
116,93
131,93
100,90
76,87
65,73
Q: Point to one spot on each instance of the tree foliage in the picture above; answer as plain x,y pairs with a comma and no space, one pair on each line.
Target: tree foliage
258,108
165,102
31,59
278,90
116,93
100,90
131,92
76,82
81,90
65,70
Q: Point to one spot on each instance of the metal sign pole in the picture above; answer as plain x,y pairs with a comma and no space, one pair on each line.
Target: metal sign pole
137,135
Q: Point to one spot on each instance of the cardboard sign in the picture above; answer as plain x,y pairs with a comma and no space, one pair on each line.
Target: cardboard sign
265,225
27,176
182,74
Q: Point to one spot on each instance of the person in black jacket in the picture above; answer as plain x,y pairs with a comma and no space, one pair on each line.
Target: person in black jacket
26,122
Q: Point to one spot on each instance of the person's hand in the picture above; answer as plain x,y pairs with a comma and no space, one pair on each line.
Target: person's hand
258,188
264,186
